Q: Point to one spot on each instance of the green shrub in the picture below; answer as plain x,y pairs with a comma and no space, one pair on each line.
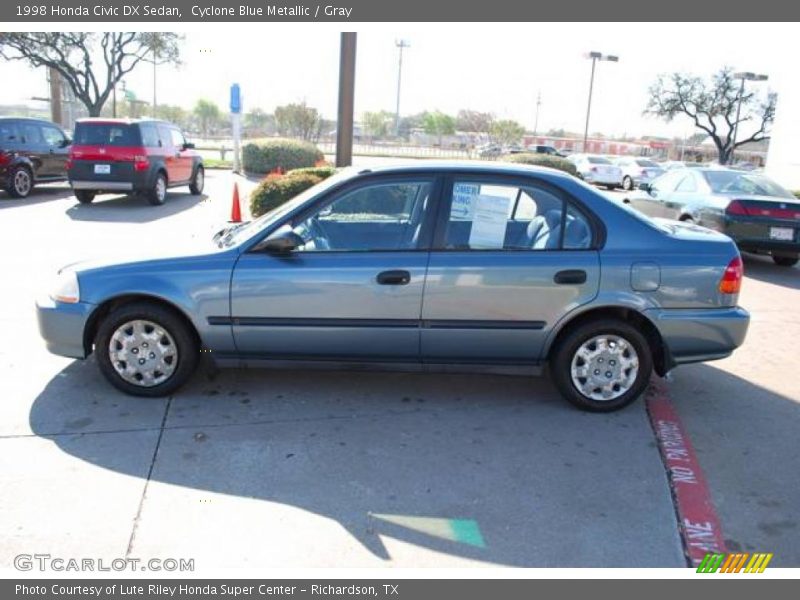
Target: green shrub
274,191
321,172
543,160
267,156
796,193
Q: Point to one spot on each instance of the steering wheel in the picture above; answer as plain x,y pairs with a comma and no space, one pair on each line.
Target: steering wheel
318,234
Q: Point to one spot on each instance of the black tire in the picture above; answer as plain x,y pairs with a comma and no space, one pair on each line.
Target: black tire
563,354
627,183
172,323
785,261
611,187
20,182
157,195
84,196
198,181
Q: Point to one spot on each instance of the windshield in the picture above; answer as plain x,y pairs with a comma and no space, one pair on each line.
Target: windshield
598,160
731,182
647,163
245,231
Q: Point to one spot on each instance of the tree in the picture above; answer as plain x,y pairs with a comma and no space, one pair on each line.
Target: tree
92,64
439,124
259,122
207,114
376,124
298,120
474,121
173,114
506,131
409,123
712,106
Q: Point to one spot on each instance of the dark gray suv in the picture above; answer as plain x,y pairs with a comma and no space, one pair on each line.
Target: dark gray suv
31,151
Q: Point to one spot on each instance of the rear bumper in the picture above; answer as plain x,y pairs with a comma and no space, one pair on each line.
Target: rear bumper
62,326
697,335
753,234
111,186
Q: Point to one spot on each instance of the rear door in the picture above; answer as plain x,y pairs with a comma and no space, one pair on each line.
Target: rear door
510,258
58,151
33,146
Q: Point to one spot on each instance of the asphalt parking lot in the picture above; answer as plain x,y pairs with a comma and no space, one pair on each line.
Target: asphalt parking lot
252,468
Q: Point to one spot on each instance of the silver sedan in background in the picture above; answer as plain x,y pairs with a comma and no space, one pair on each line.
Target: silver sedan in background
638,170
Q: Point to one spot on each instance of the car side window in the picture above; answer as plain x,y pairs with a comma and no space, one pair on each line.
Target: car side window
53,136
687,184
177,138
376,217
31,133
165,135
149,135
491,216
9,132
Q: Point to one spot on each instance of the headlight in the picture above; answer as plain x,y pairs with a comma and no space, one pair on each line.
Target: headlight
65,287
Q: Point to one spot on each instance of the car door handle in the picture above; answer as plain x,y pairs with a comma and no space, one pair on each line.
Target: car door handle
570,276
393,277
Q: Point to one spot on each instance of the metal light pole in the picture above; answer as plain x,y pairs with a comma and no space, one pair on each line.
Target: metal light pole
536,120
347,83
595,56
744,76
401,45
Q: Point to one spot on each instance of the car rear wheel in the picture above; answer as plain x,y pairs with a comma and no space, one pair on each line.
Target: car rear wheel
602,365
158,194
785,261
627,183
144,349
20,182
198,181
84,196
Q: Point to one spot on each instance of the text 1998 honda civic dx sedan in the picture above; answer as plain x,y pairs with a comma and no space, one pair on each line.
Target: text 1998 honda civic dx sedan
447,266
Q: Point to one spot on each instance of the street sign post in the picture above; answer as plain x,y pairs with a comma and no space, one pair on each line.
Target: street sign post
236,113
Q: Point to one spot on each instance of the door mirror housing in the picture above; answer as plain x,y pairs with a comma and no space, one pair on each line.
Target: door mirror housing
188,146
646,187
282,242
65,142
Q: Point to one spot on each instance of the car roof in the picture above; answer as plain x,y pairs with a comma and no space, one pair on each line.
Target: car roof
461,166
32,119
125,121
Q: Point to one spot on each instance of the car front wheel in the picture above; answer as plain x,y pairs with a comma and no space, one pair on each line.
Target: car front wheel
785,261
20,182
602,365
145,349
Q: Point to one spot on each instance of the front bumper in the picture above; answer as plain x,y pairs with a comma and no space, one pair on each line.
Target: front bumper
697,335
62,326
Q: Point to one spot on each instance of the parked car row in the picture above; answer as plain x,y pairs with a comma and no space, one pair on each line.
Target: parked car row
144,157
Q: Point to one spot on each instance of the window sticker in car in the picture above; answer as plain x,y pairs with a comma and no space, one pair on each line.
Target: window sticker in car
489,221
463,198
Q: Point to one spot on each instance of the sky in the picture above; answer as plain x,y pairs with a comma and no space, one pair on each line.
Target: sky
498,68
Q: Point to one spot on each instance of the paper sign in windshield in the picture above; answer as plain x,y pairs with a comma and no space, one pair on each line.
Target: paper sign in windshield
490,216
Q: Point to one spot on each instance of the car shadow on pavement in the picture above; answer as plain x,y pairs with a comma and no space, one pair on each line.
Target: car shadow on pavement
492,469
40,194
132,209
763,269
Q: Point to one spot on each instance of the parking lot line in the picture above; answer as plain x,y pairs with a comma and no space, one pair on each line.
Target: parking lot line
698,523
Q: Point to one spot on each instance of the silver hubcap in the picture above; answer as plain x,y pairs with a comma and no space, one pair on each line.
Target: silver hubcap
22,182
199,180
143,353
604,367
161,189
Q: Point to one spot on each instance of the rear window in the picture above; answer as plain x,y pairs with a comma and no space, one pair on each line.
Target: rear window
598,160
647,163
106,134
731,182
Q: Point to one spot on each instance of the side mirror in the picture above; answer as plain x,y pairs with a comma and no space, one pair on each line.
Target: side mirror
66,142
188,146
645,187
282,242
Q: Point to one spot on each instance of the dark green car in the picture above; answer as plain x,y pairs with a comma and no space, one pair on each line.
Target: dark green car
760,216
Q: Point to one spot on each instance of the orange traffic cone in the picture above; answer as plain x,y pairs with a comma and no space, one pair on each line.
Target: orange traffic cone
236,210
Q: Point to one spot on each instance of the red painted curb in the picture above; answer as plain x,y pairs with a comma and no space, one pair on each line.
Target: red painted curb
697,518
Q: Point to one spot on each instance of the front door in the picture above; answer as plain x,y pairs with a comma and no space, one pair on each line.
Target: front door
353,291
510,258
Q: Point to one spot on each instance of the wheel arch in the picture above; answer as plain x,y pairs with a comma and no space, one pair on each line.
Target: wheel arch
662,359
107,306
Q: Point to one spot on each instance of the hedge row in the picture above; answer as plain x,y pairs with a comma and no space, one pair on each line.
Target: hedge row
279,155
543,160
277,189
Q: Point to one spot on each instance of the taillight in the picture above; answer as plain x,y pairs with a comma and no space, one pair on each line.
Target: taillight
731,281
737,208
140,162
593,169
5,157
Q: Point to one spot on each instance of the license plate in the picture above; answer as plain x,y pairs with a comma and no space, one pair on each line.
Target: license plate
785,234
102,169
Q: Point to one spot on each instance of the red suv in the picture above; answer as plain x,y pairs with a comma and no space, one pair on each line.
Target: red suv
130,155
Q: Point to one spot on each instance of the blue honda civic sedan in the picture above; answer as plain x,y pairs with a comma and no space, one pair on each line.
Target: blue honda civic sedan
474,267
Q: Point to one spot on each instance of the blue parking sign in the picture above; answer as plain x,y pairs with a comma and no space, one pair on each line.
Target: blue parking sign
236,99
